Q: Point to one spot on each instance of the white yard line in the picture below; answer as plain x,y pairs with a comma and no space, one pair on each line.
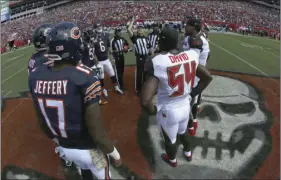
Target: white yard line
13,58
278,57
253,37
8,66
5,80
16,50
8,93
244,61
11,112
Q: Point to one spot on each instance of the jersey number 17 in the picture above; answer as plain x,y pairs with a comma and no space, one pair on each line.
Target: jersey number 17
175,80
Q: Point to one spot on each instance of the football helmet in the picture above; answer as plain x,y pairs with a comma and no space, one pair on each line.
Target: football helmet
40,34
65,42
98,28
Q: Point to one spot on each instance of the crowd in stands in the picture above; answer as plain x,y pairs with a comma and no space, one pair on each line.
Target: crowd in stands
116,12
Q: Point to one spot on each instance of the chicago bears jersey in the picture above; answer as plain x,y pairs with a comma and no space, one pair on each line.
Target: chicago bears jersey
37,59
88,55
102,45
62,96
176,74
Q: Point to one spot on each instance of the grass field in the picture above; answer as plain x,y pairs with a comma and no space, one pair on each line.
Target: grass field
235,53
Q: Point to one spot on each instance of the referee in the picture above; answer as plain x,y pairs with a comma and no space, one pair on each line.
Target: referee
119,46
141,51
153,38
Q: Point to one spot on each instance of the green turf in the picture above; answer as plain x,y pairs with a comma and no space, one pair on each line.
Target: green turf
228,52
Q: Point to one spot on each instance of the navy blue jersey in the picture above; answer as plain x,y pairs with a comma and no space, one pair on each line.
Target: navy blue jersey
88,55
61,97
37,59
102,45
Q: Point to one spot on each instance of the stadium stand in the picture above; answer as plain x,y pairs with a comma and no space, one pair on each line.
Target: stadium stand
26,15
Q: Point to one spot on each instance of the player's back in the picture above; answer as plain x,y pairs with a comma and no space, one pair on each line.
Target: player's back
59,97
88,55
102,44
176,74
37,59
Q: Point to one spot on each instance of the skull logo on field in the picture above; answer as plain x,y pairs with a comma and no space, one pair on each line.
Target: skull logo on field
233,131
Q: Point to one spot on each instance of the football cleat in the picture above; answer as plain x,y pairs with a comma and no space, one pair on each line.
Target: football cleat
118,90
105,94
188,158
165,158
195,125
103,102
191,131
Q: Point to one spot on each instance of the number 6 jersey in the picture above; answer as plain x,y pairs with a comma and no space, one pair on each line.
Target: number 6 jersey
176,74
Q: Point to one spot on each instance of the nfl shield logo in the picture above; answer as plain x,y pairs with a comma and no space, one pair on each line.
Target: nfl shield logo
59,48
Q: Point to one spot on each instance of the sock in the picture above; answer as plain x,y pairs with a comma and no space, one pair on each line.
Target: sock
187,153
194,120
191,128
173,160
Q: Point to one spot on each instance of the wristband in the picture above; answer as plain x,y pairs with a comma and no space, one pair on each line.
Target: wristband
115,154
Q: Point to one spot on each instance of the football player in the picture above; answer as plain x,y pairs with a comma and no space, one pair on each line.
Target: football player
88,57
102,46
193,29
171,75
39,41
66,98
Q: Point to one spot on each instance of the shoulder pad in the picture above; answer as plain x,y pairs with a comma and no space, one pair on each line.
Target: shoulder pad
81,74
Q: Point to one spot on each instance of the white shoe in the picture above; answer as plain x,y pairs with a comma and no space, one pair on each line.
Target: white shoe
117,89
104,91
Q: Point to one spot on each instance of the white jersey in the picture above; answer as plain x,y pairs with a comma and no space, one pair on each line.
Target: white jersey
176,74
203,55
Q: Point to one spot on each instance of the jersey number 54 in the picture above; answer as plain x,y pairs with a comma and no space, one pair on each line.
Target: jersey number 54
175,80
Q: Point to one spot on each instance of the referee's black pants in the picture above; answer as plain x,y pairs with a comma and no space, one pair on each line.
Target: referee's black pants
120,63
139,72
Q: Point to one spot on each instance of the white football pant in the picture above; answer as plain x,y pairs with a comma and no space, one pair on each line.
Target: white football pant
174,121
107,68
83,159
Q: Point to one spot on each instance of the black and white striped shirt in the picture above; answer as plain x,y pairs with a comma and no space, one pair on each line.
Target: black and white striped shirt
141,45
117,44
153,38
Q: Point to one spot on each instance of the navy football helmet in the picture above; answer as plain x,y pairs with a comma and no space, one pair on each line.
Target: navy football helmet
65,42
98,28
40,34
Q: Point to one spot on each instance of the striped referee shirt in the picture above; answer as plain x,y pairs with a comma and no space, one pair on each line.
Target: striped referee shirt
153,38
141,45
117,44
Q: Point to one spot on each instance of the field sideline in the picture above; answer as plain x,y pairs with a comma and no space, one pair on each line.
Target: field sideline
237,138
235,53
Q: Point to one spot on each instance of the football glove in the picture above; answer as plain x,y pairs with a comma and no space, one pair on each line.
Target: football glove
98,69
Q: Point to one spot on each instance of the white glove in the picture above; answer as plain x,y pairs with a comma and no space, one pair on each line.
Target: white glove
98,69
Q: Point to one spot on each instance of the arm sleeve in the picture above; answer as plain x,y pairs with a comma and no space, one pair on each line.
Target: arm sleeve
91,90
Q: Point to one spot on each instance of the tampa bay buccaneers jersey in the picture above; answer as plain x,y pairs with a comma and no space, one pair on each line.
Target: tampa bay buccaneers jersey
176,74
